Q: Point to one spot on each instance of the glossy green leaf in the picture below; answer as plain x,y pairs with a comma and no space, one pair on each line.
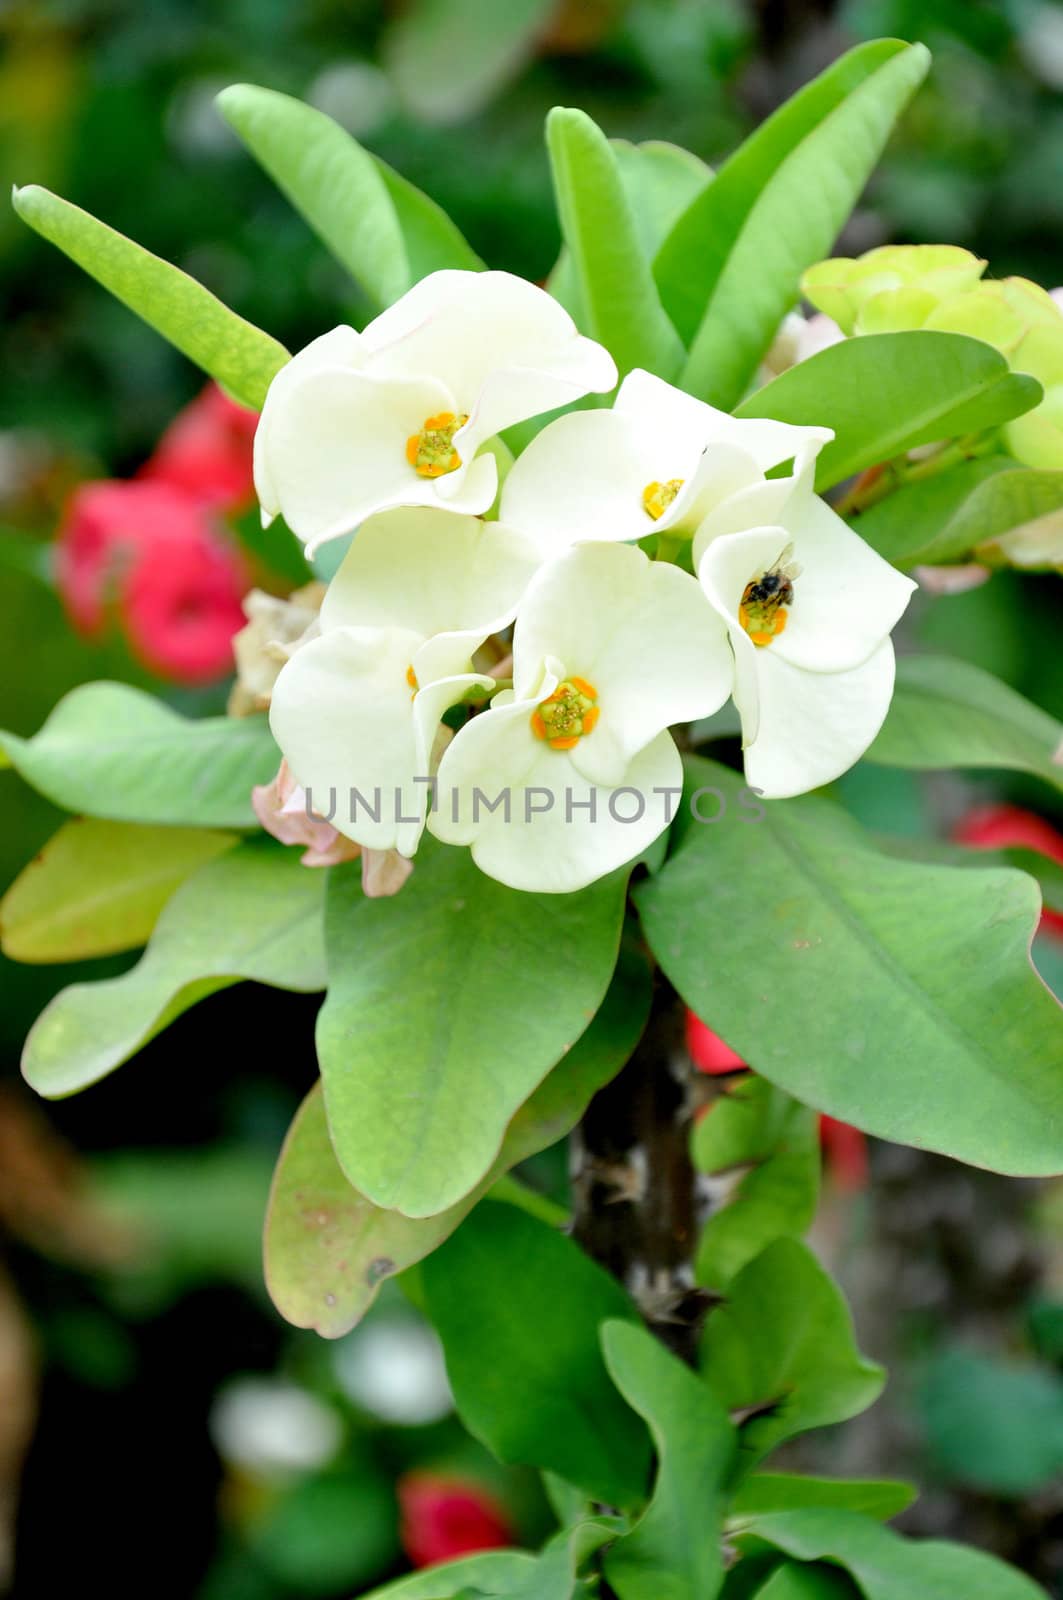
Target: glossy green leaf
98,887
674,1552
449,58
949,713
731,267
771,1140
797,1581
616,292
875,969
344,193
492,1572
495,987
781,1348
886,393
889,1567
327,1249
789,1491
518,1308
254,912
568,1554
112,751
242,358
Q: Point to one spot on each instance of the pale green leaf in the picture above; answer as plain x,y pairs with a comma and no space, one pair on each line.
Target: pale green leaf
950,713
239,356
614,284
495,987
518,1307
895,996
674,1552
774,209
344,193
449,58
781,1349
98,887
327,1249
886,393
255,912
109,750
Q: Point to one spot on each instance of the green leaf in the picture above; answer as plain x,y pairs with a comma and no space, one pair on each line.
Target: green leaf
495,987
242,358
885,393
98,887
888,1567
731,267
254,912
757,1127
675,1551
787,1491
949,713
109,750
328,1250
793,1581
565,1558
619,300
943,517
518,1308
995,1426
493,1572
449,58
781,1347
344,192
901,996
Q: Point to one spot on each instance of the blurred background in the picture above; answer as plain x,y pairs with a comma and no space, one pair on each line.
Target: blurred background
160,1428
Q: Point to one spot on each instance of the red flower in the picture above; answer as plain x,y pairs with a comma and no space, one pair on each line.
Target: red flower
1011,828
151,555
445,1517
708,1051
844,1153
206,451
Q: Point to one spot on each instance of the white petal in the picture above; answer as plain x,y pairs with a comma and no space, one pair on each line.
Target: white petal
562,847
640,632
772,443
343,715
761,505
471,328
431,571
815,725
343,348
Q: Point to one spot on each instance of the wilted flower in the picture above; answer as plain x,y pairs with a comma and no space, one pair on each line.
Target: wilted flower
283,810
395,416
275,629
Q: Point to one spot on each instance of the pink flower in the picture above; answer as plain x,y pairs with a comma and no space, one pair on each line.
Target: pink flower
445,1517
281,808
152,557
206,451
844,1154
1002,827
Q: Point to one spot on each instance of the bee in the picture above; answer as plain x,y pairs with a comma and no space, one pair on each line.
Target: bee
761,610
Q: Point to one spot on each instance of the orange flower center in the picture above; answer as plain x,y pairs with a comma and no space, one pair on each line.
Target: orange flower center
566,716
431,452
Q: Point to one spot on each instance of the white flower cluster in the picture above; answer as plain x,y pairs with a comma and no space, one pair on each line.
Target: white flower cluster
565,769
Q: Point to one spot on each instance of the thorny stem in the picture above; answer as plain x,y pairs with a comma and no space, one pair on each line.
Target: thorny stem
881,480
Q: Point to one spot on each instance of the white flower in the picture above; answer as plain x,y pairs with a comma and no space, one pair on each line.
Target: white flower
609,649
359,708
809,608
658,461
361,422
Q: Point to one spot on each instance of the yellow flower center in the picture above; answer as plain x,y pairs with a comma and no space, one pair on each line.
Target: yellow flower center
431,452
763,610
657,497
567,715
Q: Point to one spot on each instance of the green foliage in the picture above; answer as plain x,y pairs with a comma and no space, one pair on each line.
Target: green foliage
616,293
771,1144
780,1353
787,1491
496,986
994,1425
775,208
949,713
327,1249
797,1582
518,1308
239,356
887,393
254,912
380,228
877,967
112,751
887,1567
494,1572
450,57
98,887
673,1552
